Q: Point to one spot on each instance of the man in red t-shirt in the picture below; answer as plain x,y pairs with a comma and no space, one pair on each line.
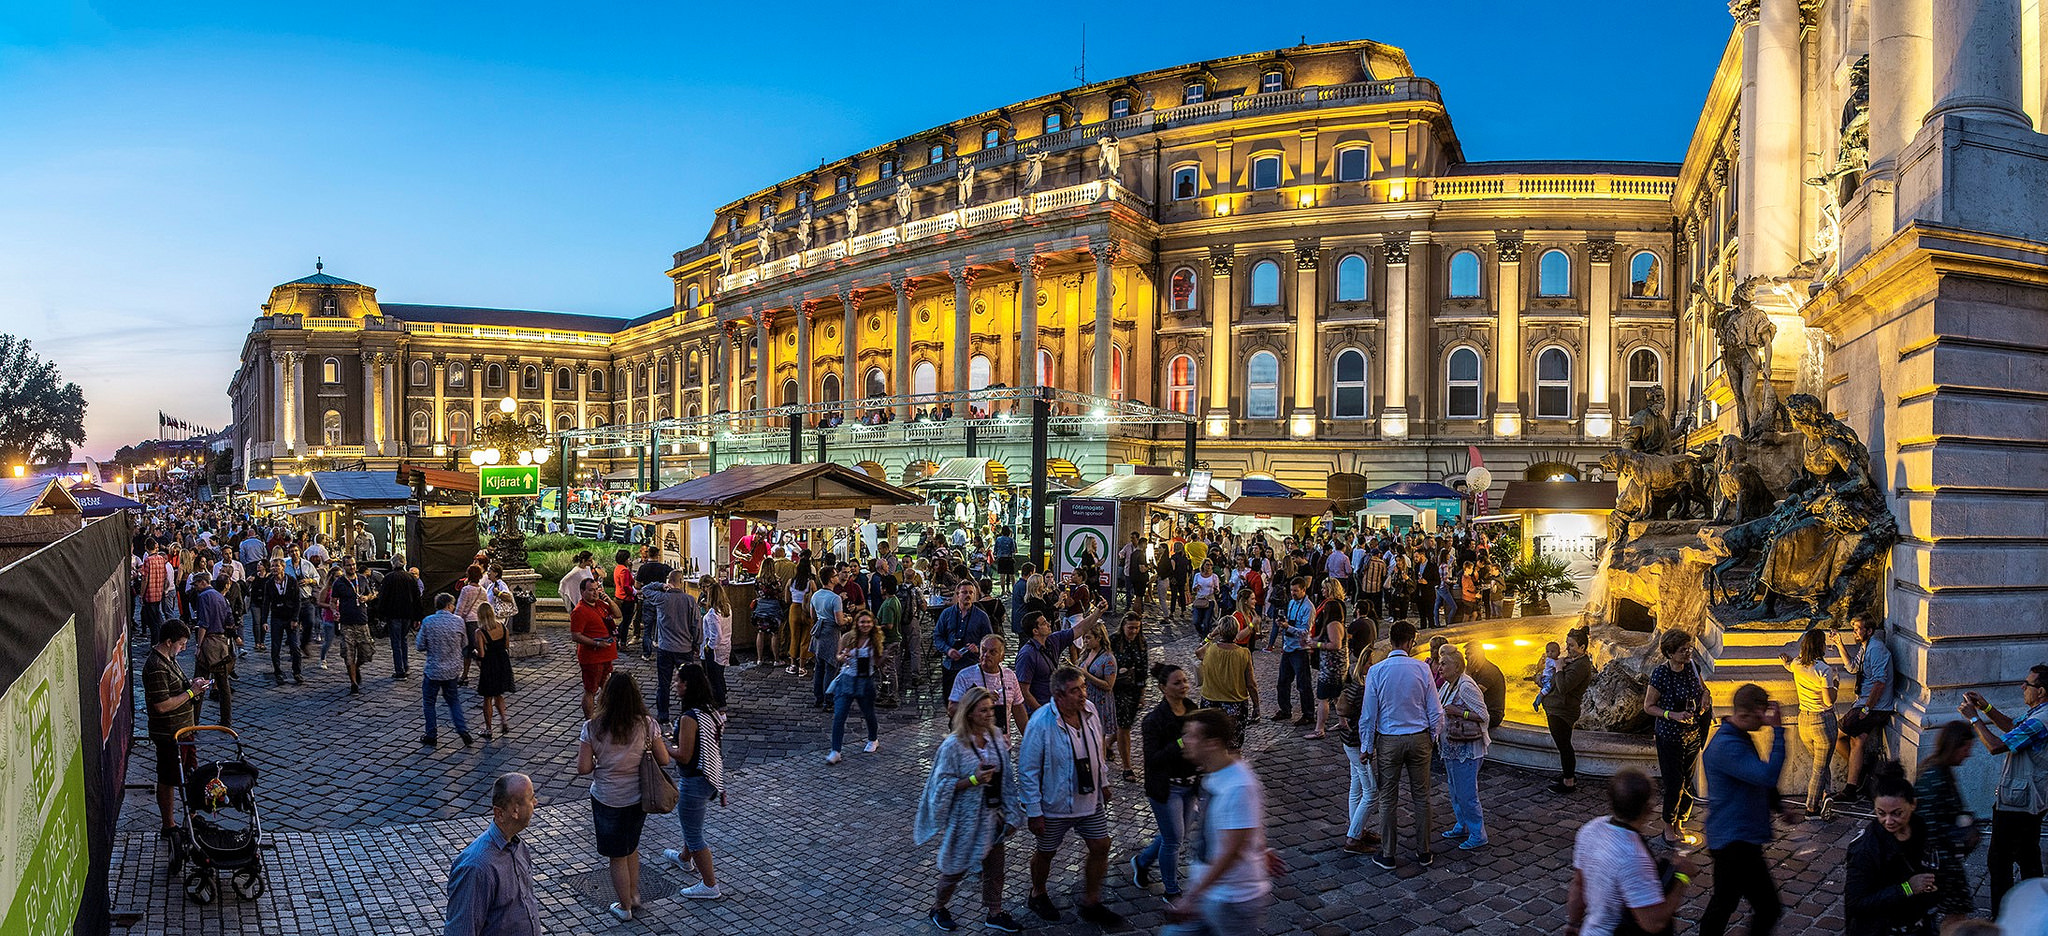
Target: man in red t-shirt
591,627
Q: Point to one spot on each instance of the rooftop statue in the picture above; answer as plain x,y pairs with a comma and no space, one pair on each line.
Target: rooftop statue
903,200
1034,169
1111,162
852,216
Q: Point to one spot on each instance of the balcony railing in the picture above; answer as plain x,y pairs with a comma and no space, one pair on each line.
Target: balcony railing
1625,188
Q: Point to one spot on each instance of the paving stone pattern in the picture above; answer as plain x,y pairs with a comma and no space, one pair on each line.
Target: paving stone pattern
366,822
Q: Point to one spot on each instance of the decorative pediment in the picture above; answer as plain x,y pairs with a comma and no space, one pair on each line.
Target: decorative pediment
1449,335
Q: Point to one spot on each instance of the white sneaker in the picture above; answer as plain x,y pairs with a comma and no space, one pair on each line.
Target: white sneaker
678,859
700,891
832,758
872,745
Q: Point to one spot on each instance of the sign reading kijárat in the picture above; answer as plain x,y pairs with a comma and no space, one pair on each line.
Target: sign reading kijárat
508,481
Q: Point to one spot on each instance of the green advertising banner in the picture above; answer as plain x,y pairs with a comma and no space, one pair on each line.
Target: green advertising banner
42,794
509,481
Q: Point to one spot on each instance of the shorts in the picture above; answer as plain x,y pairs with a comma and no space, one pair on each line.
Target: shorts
357,646
1328,689
166,759
618,828
1006,566
1092,827
1854,726
594,675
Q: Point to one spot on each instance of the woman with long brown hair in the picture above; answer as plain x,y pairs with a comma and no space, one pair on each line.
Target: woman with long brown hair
860,657
609,750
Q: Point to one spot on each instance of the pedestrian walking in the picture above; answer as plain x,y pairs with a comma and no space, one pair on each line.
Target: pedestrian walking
624,592
490,888
440,639
591,626
969,808
1000,683
1171,781
609,750
700,767
283,598
1616,884
1890,886
1743,788
2022,792
1233,874
1224,676
1064,788
858,654
1295,675
352,621
958,631
1949,819
1359,837
215,659
1677,698
1399,719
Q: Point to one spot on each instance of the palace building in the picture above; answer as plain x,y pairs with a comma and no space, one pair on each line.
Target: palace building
1290,247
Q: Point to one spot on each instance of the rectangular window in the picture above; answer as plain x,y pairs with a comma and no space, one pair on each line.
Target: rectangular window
1055,122
1196,92
1187,182
937,154
1270,82
1120,107
888,168
841,184
803,198
1351,164
1266,173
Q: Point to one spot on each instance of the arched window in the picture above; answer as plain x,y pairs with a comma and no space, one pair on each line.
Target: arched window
664,372
1187,182
330,306
330,371
1353,163
1181,289
458,375
1464,275
878,384
1116,372
1645,373
1348,392
924,378
597,380
1265,283
1180,384
1265,172
562,423
692,296
693,367
1645,275
1045,368
789,392
642,375
828,389
494,376
529,377
419,373
1554,274
1262,386
980,373
565,382
458,428
422,430
691,410
330,427
1461,380
1554,383
1351,279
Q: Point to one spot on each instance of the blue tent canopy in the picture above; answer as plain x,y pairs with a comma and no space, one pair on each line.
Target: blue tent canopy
1413,490
1265,487
97,503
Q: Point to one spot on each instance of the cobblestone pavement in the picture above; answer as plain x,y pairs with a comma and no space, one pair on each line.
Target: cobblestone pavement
366,823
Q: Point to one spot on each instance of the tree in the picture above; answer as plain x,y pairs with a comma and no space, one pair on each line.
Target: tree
41,416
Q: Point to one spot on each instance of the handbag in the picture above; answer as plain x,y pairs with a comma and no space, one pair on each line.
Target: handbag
658,793
1458,729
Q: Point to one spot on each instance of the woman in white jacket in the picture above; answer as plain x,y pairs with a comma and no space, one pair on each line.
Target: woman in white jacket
971,807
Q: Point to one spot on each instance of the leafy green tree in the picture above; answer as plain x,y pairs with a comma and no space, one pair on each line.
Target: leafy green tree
41,416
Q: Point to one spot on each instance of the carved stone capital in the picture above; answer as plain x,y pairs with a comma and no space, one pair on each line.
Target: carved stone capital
1600,251
1308,252
582,368
1744,12
1397,248
1510,247
968,275
476,361
1105,250
806,310
1035,265
1220,262
440,359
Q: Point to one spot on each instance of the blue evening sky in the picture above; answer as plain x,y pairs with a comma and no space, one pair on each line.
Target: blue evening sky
162,165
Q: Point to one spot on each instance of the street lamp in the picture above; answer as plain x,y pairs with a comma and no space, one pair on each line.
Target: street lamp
20,470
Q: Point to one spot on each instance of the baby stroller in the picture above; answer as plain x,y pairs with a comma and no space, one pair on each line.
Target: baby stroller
222,823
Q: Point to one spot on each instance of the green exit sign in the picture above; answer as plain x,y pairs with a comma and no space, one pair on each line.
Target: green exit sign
509,481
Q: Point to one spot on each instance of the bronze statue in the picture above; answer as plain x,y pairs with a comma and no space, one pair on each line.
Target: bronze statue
1740,494
1654,487
1648,431
1824,543
1745,335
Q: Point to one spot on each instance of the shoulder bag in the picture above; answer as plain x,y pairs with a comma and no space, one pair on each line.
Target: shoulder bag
1457,729
658,793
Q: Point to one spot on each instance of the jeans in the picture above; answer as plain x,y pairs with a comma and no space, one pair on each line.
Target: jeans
1361,792
1222,917
1393,756
326,638
1173,815
1464,783
283,631
1817,729
1426,603
863,692
2015,840
445,688
401,645
1294,672
1675,759
152,619
1204,618
1561,735
1741,874
665,664
690,808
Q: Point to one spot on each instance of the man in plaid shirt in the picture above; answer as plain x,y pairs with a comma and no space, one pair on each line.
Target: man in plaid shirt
157,582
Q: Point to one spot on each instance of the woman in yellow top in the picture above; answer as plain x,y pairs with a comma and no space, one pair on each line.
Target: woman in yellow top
1226,675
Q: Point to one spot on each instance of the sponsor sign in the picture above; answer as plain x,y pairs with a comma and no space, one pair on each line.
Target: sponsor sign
904,513
1086,524
815,519
508,481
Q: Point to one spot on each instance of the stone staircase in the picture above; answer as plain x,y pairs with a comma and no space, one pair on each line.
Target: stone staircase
1749,654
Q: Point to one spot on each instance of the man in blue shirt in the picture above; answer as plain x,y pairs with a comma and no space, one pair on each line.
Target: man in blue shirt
1875,700
828,619
1742,789
1399,719
1019,590
959,631
490,889
1293,633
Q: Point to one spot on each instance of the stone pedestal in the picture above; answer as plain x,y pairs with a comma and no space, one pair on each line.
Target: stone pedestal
529,644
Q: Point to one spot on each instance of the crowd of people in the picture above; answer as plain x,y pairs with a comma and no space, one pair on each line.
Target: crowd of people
1059,703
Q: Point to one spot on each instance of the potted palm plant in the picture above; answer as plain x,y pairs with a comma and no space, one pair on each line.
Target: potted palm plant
1532,582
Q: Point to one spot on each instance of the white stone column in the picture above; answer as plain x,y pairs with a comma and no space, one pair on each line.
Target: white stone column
626,387
963,325
295,382
1220,340
1028,268
547,394
373,405
1901,79
277,405
1599,422
852,384
476,397
900,386
1769,171
1393,361
1105,251
1507,352
582,393
1977,61
764,339
1301,419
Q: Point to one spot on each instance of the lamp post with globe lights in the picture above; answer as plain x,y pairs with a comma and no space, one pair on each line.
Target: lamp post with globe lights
505,439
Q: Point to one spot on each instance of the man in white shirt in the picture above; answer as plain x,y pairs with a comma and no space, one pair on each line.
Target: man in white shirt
1613,875
315,551
1001,684
1064,787
1398,722
1232,865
